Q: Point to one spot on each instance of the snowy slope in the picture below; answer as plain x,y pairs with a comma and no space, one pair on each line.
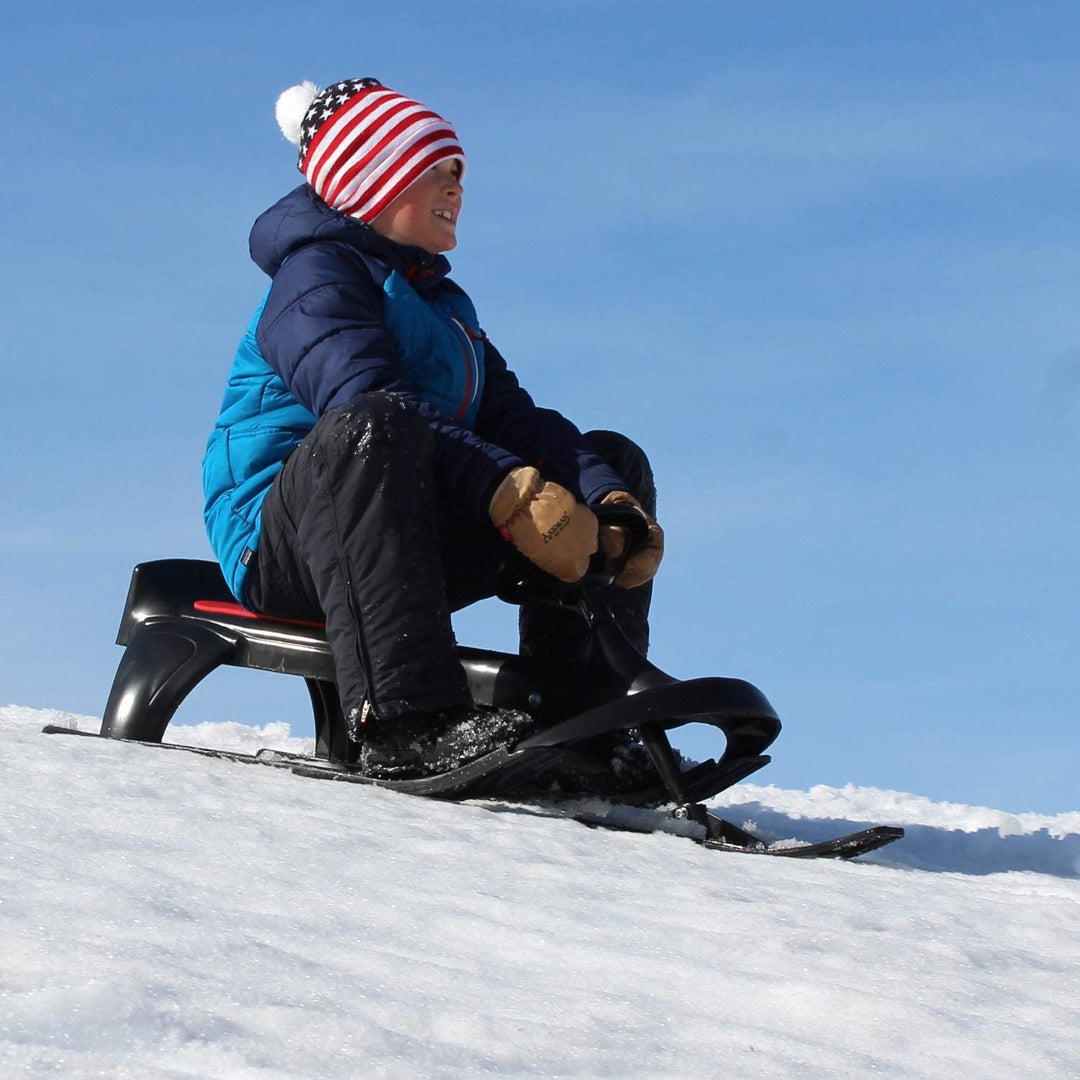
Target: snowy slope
166,915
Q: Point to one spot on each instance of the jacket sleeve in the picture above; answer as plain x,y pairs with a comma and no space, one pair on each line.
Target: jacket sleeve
323,331
542,437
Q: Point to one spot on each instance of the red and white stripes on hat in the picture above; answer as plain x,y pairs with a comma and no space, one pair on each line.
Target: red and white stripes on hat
362,144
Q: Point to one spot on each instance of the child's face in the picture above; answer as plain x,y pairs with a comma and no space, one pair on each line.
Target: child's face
426,214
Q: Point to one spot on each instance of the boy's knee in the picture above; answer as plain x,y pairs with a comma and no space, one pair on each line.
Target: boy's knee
629,461
376,411
373,421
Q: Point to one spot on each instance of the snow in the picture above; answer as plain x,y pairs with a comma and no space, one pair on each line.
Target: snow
166,915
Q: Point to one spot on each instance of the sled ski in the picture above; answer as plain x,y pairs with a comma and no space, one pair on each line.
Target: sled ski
722,835
842,847
849,846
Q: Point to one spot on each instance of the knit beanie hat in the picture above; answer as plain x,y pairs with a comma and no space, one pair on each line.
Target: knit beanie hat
361,144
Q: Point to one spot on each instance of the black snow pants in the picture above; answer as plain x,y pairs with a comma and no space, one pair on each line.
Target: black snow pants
356,533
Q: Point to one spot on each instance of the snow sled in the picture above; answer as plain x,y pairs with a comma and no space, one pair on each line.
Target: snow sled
180,623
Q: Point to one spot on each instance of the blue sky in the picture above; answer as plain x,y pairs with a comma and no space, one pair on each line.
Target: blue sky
818,259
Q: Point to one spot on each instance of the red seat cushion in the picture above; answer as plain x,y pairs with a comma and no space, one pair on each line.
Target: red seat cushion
229,607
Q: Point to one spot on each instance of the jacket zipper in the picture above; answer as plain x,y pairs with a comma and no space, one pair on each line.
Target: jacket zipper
472,369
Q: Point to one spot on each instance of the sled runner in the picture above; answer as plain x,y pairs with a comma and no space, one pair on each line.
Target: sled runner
180,623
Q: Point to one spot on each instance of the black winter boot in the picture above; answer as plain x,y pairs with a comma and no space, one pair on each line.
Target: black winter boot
427,744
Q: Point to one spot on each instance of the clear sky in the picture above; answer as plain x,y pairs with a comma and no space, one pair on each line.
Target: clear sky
818,259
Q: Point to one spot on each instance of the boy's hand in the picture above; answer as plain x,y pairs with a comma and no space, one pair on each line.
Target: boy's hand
545,523
645,560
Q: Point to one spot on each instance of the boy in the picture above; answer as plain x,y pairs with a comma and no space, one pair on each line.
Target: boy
374,458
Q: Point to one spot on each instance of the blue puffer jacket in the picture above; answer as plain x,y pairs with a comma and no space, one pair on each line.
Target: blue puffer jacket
349,312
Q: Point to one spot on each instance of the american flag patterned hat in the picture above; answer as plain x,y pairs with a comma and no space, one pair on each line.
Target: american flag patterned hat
362,144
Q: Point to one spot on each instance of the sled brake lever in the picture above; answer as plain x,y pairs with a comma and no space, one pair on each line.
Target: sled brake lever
634,525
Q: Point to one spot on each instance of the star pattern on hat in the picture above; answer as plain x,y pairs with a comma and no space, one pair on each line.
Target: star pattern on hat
327,103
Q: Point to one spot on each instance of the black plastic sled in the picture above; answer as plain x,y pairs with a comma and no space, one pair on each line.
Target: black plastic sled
180,623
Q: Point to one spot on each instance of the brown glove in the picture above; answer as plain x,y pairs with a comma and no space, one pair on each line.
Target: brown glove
645,560
545,523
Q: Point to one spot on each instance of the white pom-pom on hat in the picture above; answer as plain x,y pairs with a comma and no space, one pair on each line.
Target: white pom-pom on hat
292,106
